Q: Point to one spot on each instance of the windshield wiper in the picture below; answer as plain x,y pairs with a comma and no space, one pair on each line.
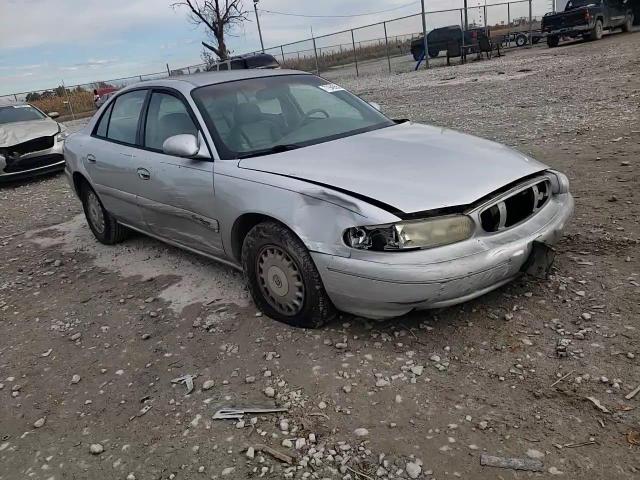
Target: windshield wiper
268,151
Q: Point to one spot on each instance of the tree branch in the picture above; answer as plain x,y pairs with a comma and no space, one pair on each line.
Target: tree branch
218,18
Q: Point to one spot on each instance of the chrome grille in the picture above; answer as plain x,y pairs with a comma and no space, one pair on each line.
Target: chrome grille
515,208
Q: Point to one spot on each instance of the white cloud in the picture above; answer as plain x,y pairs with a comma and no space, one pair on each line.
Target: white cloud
21,67
34,23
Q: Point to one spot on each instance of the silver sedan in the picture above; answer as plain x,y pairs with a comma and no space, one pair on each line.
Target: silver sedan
324,203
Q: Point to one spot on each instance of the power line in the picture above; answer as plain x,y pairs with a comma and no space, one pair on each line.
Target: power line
338,16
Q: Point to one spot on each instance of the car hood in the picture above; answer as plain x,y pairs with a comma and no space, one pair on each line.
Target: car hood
409,167
20,132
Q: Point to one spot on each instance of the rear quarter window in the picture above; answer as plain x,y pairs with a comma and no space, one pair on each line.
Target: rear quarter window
101,130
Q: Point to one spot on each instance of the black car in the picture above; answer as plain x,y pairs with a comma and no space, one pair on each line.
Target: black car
244,62
587,19
439,38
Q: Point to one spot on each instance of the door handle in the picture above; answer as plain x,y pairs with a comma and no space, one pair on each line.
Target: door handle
91,158
144,174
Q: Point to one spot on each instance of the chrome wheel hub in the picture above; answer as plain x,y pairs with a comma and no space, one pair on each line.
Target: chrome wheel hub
94,209
280,280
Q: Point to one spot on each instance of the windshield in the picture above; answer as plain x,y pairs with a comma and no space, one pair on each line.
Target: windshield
265,115
580,3
19,113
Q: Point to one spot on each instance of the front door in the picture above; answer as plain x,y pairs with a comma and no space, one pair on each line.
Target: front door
176,195
111,156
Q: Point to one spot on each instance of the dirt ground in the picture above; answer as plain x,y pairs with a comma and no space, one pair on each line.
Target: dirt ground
91,337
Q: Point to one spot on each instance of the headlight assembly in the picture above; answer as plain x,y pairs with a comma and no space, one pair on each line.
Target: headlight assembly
411,235
62,134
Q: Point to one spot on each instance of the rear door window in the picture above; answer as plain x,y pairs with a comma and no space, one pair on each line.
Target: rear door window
123,126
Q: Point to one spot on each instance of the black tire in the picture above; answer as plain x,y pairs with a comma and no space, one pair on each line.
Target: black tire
627,26
596,32
316,308
552,41
112,232
521,40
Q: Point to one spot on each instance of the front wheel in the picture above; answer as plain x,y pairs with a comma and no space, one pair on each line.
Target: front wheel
103,225
553,41
628,23
282,278
521,40
596,32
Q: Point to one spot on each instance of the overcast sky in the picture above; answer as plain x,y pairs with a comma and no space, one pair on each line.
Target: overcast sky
45,42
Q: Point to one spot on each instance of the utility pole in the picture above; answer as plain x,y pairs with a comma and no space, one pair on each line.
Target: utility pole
315,51
424,38
466,16
255,8
73,115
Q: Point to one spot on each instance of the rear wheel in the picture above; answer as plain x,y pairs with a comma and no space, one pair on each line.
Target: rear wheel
282,278
628,23
553,41
103,225
596,32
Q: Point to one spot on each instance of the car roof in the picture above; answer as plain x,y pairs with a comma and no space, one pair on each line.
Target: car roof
209,78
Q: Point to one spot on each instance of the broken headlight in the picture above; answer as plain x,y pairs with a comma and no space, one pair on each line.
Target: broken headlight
411,235
62,134
559,182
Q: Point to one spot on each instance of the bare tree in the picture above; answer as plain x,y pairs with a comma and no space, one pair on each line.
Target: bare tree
220,17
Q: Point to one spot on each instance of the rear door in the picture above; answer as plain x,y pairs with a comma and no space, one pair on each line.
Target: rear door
175,194
110,159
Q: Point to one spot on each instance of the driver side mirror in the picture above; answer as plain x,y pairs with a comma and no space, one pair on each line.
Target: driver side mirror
53,114
376,106
186,146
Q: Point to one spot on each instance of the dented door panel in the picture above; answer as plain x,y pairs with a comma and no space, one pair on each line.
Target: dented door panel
177,200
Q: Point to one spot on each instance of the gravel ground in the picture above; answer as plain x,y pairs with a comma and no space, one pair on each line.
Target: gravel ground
92,336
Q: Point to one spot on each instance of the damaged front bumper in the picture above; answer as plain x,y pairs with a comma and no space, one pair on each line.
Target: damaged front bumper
32,164
383,285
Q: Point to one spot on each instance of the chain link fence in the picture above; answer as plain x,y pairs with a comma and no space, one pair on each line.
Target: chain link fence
371,49
386,46
77,101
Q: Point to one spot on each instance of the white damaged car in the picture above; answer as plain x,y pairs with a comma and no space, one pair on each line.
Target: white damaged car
30,142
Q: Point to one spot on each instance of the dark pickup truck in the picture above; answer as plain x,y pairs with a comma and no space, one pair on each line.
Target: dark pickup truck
587,19
439,38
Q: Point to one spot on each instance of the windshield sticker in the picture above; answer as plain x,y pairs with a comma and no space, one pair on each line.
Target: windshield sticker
331,87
